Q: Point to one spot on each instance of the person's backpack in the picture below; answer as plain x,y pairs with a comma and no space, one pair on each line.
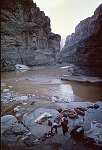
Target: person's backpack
77,133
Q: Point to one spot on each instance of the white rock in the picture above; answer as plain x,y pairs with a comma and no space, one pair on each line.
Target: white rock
33,96
21,67
10,86
23,97
11,100
54,99
17,114
16,109
5,90
45,114
36,140
28,133
24,103
18,98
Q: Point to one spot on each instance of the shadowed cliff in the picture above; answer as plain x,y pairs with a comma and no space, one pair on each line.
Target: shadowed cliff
26,36
84,47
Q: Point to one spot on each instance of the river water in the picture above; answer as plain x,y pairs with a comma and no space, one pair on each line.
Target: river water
46,82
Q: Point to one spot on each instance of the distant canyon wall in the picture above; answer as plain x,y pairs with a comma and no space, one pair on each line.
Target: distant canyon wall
26,36
84,47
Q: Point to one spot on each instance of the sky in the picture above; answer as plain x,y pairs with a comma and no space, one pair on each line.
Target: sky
66,14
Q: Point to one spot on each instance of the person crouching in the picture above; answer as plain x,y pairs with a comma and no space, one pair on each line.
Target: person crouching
54,128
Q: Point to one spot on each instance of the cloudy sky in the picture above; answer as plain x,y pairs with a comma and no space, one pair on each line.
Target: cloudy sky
66,14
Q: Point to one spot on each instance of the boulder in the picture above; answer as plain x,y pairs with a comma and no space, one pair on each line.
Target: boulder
5,90
7,122
21,67
39,129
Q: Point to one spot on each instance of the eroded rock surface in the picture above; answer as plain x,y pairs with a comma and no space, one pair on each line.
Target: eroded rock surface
26,36
25,133
84,47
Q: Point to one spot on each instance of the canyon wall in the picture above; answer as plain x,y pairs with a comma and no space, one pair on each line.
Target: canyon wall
26,36
84,47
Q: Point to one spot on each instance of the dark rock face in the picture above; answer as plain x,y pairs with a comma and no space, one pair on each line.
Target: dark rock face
26,36
84,47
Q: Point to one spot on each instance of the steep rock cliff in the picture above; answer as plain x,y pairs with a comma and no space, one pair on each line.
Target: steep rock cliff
26,36
84,47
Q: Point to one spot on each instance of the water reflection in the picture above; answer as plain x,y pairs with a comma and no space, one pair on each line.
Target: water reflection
66,92
55,86
88,92
66,89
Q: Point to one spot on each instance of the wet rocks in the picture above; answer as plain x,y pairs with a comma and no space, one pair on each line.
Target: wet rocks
20,132
82,78
8,135
21,98
61,99
13,103
3,84
8,96
35,128
19,129
29,142
10,108
7,122
11,129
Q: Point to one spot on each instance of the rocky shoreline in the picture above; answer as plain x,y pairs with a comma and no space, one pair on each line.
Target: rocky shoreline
18,127
83,79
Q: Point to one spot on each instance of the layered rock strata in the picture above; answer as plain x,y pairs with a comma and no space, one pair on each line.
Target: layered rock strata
26,36
84,47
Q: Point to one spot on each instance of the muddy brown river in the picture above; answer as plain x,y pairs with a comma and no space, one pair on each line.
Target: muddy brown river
46,82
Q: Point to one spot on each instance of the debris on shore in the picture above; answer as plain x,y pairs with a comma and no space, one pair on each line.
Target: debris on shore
27,120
